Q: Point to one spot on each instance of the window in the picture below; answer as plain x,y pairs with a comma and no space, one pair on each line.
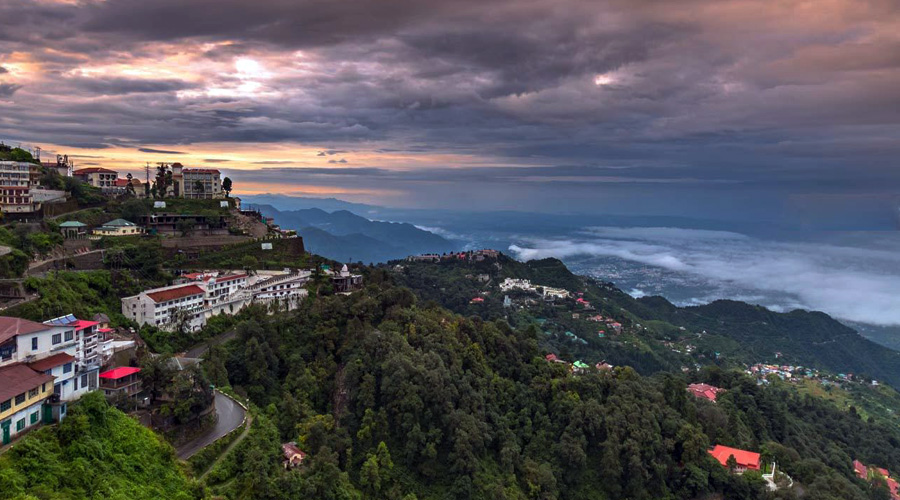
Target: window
76,384
44,387
69,335
20,425
84,380
20,398
67,367
34,417
62,409
33,393
57,338
6,405
34,343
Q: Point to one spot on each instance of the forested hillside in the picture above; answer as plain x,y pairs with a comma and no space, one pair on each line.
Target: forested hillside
394,398
734,332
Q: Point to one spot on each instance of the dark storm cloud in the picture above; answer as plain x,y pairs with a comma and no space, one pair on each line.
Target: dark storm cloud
661,93
3,70
160,151
118,86
8,89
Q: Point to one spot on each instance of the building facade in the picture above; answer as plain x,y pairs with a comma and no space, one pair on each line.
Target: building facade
118,227
100,177
196,183
15,188
22,399
159,307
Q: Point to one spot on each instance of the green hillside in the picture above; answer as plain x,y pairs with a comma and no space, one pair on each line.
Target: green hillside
97,452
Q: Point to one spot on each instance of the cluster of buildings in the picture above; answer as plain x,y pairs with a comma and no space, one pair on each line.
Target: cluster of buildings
192,183
871,473
21,191
196,297
199,296
470,256
45,366
548,293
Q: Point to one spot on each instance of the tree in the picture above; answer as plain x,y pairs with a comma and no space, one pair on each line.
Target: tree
156,375
226,186
185,226
129,188
163,179
198,186
731,463
249,263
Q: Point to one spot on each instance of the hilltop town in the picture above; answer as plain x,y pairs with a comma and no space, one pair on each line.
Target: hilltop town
169,327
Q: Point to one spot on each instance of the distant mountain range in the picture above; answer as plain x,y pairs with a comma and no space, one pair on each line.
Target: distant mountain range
344,236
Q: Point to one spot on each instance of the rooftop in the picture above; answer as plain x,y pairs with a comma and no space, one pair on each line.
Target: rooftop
19,378
94,170
119,223
743,458
51,362
175,293
10,327
120,372
73,223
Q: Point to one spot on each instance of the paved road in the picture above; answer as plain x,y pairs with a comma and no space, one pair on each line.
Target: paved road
230,417
199,350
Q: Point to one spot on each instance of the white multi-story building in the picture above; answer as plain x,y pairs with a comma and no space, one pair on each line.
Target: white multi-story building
221,287
15,185
160,307
199,296
196,183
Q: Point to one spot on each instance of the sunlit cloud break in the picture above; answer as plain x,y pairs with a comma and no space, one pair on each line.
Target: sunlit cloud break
848,283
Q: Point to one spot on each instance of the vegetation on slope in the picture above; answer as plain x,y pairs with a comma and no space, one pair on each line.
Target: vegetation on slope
97,452
397,400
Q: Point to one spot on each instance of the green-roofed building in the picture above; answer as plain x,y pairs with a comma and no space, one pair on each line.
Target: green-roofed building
73,230
118,227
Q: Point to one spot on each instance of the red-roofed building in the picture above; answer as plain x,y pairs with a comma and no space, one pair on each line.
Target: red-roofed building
159,306
293,455
121,380
746,460
477,300
894,488
861,470
705,391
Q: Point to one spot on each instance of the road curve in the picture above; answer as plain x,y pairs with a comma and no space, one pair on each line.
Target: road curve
230,417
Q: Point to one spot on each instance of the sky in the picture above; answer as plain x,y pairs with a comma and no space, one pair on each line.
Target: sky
732,109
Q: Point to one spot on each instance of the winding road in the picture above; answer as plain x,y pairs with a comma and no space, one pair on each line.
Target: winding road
230,417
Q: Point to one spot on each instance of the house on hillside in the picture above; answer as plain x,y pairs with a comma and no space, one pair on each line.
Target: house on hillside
744,460
293,456
118,227
119,381
345,282
100,177
23,395
157,307
705,391
73,230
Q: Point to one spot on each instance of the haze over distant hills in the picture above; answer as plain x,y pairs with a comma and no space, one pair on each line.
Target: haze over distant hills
345,236
852,275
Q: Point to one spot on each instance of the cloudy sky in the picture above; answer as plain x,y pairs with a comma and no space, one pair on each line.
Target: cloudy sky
732,108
